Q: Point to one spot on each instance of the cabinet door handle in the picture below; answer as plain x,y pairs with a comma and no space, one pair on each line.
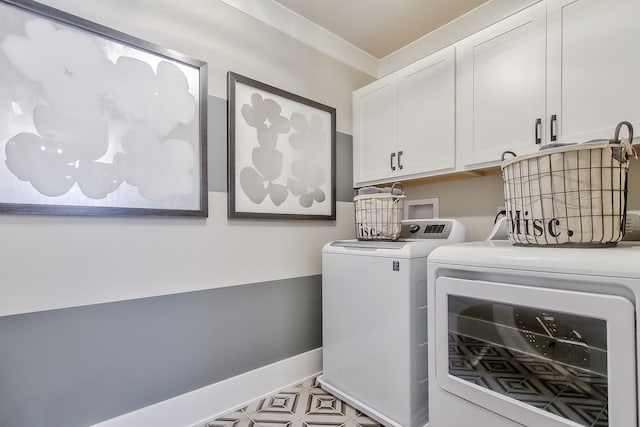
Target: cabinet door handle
392,156
399,164
538,128
552,127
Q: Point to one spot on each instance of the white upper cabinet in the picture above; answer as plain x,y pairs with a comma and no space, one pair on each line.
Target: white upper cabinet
502,89
426,114
404,124
375,129
594,65
557,71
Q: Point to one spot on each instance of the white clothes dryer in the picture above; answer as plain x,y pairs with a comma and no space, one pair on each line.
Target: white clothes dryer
374,296
533,336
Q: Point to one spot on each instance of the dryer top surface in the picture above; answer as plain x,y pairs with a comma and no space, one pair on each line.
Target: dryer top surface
622,260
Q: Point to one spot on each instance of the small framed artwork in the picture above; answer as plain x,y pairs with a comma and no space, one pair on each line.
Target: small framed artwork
281,152
97,122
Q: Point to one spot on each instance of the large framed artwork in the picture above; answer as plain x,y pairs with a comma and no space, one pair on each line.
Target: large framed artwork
97,122
281,152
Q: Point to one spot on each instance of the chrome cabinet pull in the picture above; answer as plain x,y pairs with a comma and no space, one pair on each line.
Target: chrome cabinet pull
392,156
399,164
538,129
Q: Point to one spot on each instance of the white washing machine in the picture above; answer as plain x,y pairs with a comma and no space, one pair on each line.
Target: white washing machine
374,296
533,336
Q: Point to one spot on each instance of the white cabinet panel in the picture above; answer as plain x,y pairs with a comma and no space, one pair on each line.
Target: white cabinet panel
375,117
502,89
404,124
593,66
426,114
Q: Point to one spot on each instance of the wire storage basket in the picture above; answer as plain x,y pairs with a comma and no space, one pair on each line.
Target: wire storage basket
379,215
571,195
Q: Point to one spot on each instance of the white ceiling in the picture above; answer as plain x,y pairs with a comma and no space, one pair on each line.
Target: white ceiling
380,27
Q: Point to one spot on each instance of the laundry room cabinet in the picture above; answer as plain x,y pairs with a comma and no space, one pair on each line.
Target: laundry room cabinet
502,89
559,71
375,135
404,123
593,66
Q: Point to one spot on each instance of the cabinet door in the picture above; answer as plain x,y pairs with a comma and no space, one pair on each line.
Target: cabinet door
593,66
375,130
502,92
426,114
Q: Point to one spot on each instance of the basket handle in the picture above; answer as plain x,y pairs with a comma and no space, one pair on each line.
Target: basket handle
616,135
507,152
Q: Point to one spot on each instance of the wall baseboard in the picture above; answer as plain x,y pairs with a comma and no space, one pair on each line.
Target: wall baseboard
199,406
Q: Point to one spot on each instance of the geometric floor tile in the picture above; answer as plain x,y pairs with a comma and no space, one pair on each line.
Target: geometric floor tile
361,421
302,405
234,419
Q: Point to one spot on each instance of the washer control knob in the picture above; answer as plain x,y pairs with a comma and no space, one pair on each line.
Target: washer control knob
414,228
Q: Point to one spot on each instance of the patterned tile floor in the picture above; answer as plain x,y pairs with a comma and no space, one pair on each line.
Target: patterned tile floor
302,405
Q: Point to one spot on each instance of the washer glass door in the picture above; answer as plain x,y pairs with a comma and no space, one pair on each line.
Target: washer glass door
564,356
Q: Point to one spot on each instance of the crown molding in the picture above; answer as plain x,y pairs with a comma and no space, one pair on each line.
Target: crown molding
471,22
299,27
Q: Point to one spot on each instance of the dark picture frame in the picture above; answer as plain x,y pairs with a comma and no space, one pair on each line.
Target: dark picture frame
281,153
100,122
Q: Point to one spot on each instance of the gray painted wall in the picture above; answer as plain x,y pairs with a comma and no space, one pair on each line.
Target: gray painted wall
79,366
82,365
344,167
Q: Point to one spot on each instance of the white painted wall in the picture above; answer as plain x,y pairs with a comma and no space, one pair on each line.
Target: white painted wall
475,201
472,201
53,262
56,262
229,40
